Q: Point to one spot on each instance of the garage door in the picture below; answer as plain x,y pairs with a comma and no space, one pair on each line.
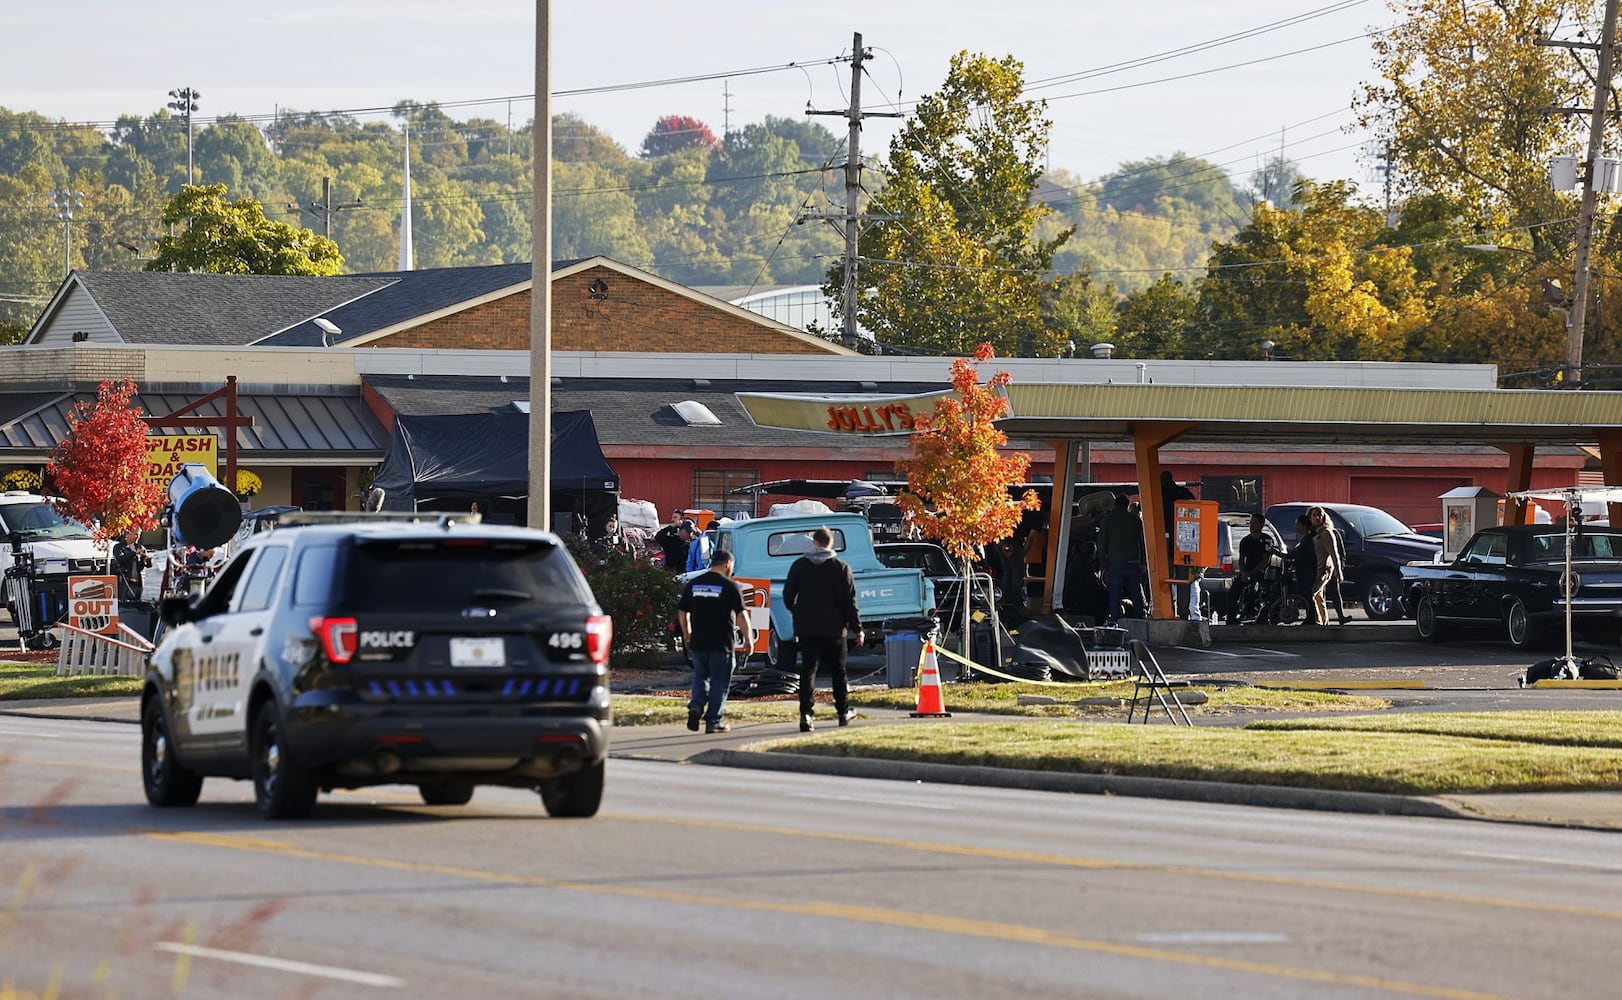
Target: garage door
1409,499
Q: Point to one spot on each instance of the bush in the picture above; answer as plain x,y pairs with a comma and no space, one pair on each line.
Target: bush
639,595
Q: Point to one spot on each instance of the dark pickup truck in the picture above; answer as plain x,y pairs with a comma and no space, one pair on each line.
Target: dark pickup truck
1377,547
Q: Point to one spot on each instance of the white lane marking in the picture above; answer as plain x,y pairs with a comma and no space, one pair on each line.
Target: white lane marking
1538,859
1250,652
875,800
1213,937
282,965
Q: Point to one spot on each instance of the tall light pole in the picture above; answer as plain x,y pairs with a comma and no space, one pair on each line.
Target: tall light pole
185,102
65,201
1577,316
540,294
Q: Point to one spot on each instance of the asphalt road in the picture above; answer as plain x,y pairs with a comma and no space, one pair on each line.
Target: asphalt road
719,883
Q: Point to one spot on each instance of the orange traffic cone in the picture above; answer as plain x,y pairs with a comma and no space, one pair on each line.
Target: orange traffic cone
931,703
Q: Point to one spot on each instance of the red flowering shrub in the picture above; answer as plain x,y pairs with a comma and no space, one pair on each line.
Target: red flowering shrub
638,594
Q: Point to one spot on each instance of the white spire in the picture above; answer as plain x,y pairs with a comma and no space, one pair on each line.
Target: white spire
405,208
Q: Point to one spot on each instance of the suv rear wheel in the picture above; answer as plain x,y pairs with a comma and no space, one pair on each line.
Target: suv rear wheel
281,789
167,783
577,795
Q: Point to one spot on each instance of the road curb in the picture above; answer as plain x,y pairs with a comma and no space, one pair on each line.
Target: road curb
1271,796
67,716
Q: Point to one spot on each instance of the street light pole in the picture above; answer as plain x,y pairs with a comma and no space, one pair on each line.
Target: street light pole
65,201
1577,316
185,102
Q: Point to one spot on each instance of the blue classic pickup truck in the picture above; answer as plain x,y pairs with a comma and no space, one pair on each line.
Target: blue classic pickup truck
764,548
1513,577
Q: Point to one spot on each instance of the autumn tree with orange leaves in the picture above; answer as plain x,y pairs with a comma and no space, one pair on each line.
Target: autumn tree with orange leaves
99,469
957,480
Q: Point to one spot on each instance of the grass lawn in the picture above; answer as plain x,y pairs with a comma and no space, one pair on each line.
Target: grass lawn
1409,755
19,681
655,710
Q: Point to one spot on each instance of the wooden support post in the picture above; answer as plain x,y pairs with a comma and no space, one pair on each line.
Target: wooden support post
1059,503
1610,464
1146,442
1520,479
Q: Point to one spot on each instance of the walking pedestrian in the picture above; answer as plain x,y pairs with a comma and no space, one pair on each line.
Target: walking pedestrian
820,593
713,619
1120,549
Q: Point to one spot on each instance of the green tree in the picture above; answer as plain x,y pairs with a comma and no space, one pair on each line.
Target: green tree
1461,101
1324,281
957,262
1155,322
225,237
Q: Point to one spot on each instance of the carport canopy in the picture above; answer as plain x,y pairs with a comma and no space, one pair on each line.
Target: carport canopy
1152,415
1516,421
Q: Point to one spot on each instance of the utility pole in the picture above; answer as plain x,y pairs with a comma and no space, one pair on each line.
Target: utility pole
65,201
852,219
324,208
1576,317
185,102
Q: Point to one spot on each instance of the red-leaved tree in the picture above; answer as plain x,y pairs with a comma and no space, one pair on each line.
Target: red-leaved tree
957,480
677,132
99,469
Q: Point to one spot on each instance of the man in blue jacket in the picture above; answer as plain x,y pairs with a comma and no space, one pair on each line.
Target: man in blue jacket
699,547
820,593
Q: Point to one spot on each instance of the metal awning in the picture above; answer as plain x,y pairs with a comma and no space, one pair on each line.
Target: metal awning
1246,414
291,428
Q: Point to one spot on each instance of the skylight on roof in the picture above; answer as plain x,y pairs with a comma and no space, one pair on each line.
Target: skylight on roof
695,414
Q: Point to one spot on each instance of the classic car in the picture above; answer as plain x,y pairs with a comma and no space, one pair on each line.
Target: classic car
1513,577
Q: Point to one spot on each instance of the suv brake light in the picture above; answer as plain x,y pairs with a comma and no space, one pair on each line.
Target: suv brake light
599,633
339,637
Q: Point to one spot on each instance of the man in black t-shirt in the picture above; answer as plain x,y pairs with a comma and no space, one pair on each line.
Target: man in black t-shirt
712,622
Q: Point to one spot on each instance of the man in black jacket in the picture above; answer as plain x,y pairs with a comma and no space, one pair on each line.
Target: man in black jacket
820,593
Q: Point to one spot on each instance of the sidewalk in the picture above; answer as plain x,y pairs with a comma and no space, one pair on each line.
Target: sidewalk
675,744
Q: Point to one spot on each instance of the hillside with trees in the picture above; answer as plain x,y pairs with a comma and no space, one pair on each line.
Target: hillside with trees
975,236
698,208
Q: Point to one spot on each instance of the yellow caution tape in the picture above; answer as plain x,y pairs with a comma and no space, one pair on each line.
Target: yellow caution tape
981,668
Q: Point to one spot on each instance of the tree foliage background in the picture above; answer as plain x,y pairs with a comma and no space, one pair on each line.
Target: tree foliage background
979,238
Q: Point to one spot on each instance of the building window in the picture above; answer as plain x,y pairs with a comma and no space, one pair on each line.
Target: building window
712,490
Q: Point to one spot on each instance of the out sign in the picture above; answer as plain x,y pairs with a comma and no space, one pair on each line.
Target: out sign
93,603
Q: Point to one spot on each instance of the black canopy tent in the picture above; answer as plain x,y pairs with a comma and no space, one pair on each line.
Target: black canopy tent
449,462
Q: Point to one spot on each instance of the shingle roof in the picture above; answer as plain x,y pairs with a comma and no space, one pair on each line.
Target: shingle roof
220,310
630,411
408,295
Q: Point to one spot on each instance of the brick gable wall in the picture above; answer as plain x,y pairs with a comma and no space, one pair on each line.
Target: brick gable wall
635,316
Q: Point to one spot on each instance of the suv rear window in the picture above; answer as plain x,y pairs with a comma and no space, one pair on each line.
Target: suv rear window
452,573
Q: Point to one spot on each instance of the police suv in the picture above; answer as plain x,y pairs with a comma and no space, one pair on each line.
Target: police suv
441,654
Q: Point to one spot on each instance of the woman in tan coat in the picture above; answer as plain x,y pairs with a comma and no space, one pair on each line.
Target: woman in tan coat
1330,571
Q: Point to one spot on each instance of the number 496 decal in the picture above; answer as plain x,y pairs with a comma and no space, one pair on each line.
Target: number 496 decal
567,640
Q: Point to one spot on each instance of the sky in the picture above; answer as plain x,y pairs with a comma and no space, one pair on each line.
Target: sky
93,60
